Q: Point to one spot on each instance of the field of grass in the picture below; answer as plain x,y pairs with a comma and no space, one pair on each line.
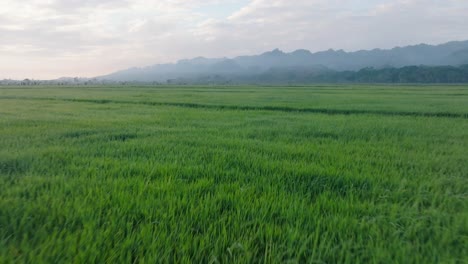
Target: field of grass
319,174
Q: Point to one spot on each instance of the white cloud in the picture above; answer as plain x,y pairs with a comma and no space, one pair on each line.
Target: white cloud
51,38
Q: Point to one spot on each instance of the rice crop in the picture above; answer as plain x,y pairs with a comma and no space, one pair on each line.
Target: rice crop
234,174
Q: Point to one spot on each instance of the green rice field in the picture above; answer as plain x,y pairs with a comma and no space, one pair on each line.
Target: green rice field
234,174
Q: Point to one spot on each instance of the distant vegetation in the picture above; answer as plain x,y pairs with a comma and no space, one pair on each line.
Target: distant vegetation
409,74
247,174
281,76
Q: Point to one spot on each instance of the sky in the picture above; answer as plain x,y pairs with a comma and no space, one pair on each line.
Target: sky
46,39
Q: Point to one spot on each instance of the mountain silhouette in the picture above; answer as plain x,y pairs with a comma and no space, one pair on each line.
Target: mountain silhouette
449,54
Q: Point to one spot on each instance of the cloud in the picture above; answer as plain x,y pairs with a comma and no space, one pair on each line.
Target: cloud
51,38
348,24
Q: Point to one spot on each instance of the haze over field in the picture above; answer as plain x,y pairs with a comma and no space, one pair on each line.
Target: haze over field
49,39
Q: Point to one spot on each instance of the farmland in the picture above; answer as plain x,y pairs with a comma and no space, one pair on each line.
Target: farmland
211,174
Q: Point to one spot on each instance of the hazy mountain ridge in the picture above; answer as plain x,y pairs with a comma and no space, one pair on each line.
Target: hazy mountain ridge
449,54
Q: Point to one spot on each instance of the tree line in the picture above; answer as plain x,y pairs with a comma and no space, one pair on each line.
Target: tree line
294,75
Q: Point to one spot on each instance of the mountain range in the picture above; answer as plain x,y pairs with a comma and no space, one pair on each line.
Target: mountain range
453,53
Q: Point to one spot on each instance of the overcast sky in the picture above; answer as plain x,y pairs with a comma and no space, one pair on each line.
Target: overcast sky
52,38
